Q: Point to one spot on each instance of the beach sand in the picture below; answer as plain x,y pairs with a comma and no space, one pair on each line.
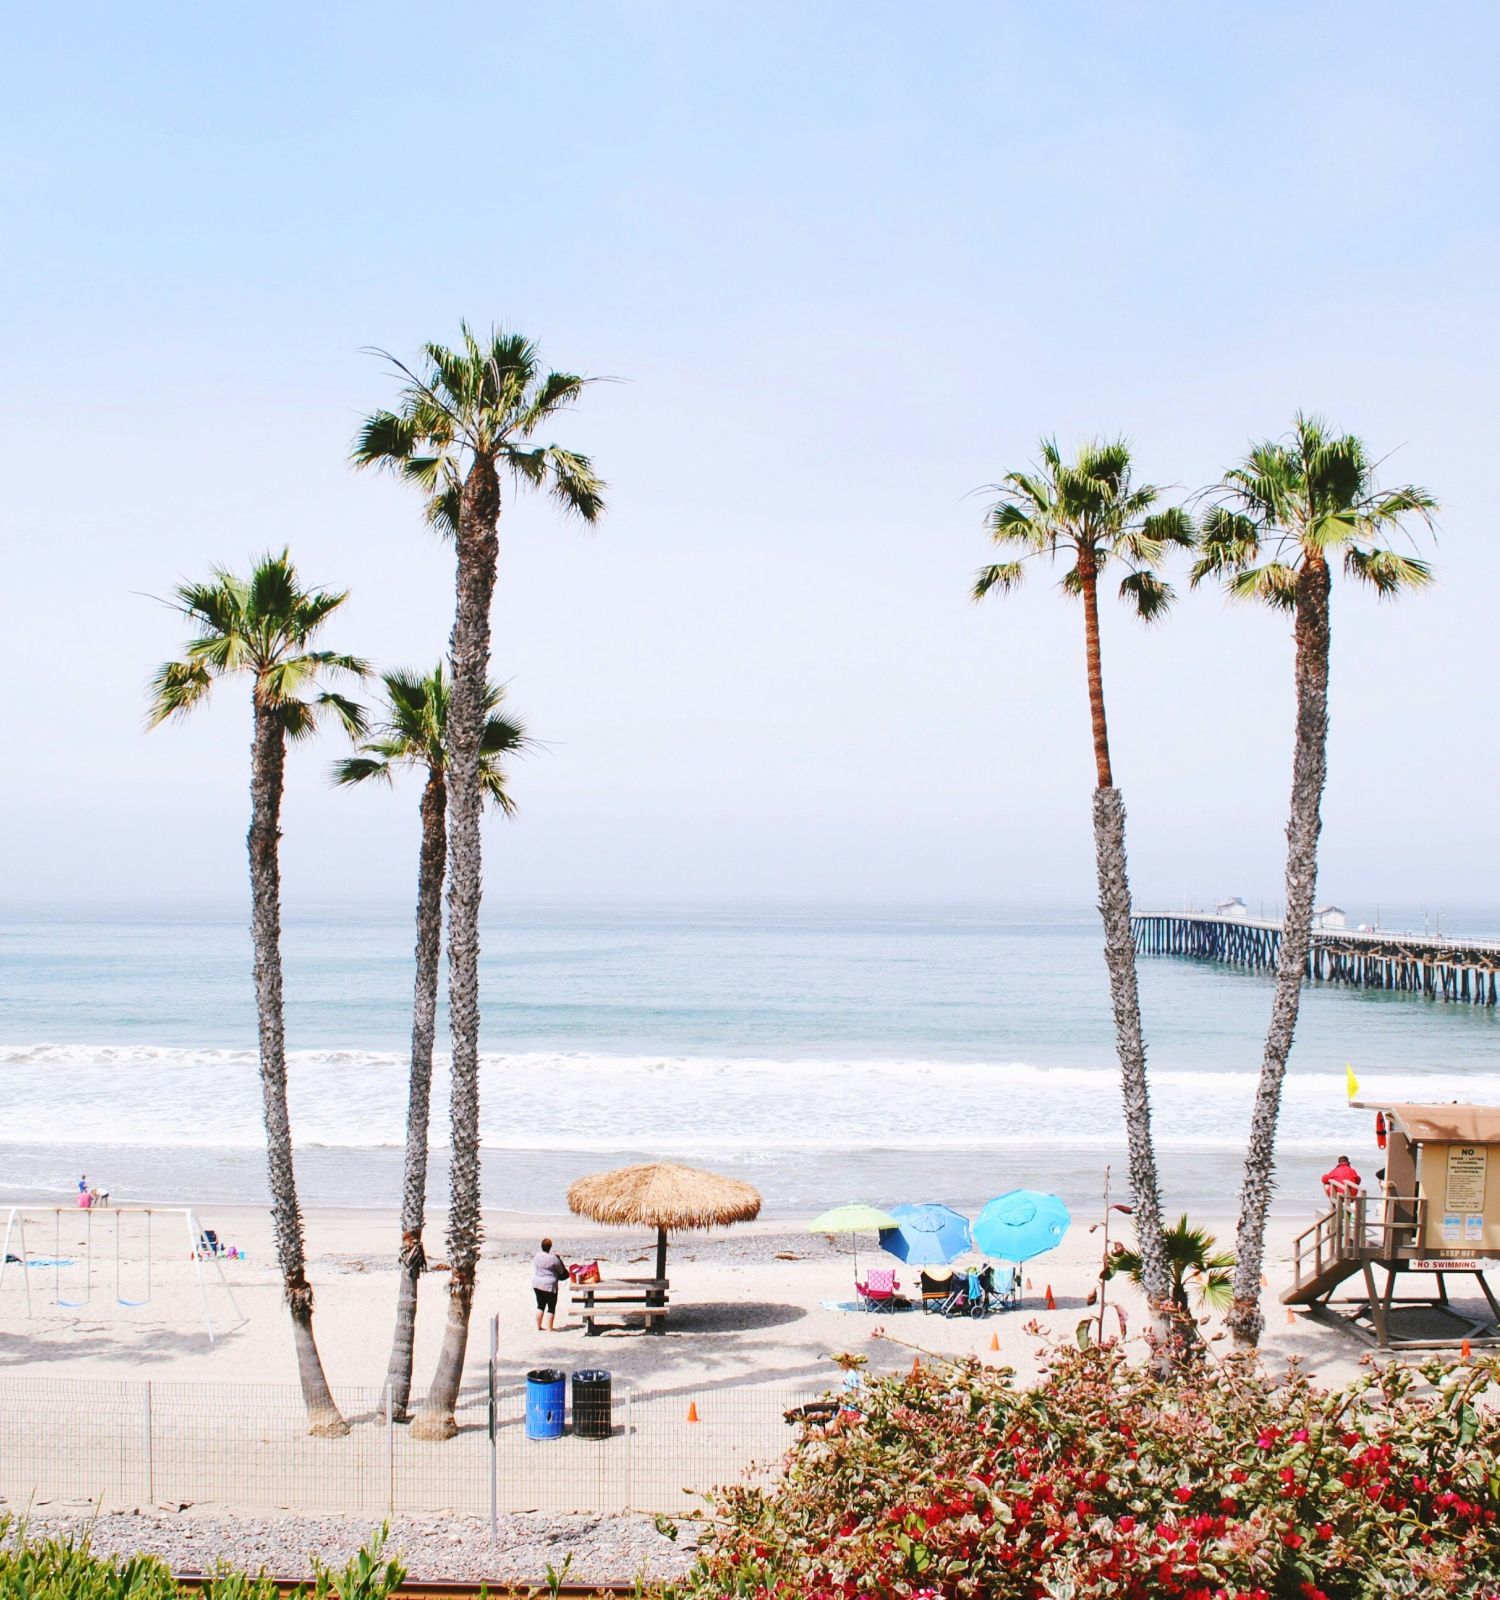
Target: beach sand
751,1305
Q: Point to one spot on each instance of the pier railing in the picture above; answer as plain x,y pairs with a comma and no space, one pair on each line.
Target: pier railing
1439,968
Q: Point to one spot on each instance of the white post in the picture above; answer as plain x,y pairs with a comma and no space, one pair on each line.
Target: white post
194,1239
390,1451
150,1445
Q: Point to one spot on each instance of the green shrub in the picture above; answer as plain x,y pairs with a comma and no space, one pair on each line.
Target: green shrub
1103,1480
66,1569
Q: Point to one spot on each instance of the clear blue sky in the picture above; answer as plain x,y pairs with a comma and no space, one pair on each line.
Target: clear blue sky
851,260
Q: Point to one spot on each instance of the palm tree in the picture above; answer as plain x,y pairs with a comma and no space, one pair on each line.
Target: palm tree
1089,514
410,735
262,627
1283,514
1195,1263
465,416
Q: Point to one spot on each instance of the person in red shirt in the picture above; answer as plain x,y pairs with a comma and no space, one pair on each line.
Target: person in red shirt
1341,1179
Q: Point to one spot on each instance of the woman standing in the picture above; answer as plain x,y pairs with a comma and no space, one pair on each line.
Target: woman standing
547,1271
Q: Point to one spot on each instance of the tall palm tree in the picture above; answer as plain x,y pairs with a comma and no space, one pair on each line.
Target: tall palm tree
262,627
1289,509
411,735
464,417
1089,514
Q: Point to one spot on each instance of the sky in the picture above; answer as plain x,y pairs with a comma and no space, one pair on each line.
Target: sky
848,263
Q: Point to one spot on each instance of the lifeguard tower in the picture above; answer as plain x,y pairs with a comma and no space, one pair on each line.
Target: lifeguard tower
1437,1212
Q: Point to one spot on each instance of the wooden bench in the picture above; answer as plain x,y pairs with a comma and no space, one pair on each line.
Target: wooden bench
623,1300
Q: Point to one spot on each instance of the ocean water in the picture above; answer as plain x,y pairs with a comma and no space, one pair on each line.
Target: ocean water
822,1052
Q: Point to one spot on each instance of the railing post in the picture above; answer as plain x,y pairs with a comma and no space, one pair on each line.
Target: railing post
390,1451
150,1446
494,1431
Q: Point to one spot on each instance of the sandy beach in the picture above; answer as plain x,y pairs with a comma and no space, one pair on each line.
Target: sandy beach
751,1305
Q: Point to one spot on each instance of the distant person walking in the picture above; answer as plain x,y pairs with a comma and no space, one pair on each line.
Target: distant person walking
1341,1180
548,1269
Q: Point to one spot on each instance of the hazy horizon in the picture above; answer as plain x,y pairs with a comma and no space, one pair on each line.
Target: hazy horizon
839,308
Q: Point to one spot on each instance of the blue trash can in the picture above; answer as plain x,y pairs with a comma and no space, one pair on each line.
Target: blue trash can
546,1402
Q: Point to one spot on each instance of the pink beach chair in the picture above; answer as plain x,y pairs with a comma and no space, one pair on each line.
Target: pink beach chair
878,1291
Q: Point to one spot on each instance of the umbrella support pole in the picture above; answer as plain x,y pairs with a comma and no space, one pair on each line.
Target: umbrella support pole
658,1324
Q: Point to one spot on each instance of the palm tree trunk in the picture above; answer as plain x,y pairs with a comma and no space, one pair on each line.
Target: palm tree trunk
1309,772
267,760
1119,958
431,865
478,558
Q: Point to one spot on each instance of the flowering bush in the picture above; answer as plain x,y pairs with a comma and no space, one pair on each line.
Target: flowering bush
1214,1483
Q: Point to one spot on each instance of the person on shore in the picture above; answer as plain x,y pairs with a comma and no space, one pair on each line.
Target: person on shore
548,1269
1341,1180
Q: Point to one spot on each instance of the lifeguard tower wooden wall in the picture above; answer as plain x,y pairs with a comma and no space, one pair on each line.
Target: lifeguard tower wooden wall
1437,1212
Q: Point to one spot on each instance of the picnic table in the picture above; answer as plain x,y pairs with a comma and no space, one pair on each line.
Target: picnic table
623,1300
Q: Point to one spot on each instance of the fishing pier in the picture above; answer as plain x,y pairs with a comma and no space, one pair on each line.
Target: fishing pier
1439,968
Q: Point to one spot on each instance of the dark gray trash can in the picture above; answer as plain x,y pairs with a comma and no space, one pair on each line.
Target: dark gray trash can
593,1404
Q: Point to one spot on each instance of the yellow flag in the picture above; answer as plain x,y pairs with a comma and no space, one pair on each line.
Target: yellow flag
1350,1081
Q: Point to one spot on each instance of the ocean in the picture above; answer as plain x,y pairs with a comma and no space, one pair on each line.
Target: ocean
883,1052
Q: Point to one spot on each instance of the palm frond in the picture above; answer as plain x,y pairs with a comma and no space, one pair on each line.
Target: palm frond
386,439
361,769
1001,575
575,486
1149,596
1385,571
349,712
176,688
1274,584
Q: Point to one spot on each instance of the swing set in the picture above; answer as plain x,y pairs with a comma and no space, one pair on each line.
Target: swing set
134,1284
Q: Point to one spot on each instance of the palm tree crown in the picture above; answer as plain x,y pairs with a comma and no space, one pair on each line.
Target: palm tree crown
1301,500
413,733
1089,511
262,626
484,399
1195,1260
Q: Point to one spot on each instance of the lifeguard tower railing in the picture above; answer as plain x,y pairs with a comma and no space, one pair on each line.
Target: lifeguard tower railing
1358,1228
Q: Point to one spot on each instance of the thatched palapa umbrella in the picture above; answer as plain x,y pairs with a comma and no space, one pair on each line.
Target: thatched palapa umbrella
664,1196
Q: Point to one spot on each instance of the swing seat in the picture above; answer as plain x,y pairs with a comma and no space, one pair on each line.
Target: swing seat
131,1304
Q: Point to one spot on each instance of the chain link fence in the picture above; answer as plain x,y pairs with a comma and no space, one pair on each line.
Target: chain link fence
245,1447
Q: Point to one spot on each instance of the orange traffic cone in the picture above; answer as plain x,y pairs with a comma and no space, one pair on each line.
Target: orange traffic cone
1463,1350
1291,1316
1028,1283
692,1415
1051,1303
994,1341
916,1365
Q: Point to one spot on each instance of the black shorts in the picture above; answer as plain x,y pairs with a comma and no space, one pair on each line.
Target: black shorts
546,1300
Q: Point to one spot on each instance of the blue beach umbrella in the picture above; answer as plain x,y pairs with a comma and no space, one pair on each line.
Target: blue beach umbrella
926,1235
1021,1224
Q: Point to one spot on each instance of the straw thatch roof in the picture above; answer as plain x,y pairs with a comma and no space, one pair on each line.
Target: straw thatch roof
661,1194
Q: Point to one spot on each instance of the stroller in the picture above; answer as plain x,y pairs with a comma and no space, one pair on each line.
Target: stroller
976,1293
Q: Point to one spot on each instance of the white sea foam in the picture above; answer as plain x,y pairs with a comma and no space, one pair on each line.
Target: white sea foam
743,1108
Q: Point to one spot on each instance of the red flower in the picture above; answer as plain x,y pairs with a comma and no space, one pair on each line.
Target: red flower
1184,1494
1293,1541
1325,1530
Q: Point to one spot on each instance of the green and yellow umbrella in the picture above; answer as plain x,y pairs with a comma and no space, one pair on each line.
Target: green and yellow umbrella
853,1220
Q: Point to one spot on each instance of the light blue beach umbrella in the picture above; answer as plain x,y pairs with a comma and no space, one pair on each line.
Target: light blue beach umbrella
1021,1224
926,1235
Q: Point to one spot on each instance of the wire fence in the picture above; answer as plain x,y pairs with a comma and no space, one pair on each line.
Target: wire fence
246,1447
